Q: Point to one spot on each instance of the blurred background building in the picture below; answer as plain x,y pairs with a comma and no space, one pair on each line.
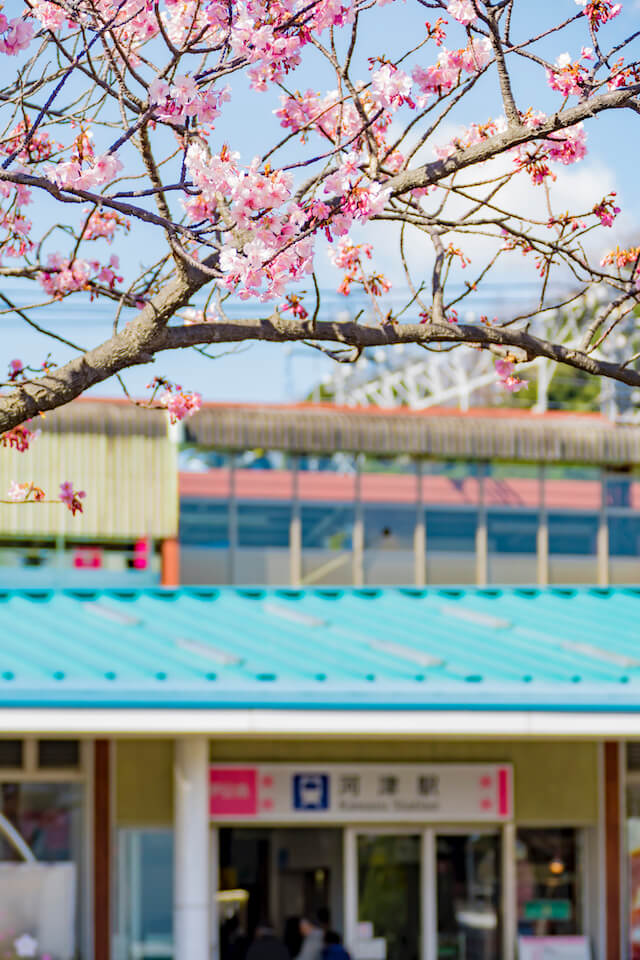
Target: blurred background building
315,495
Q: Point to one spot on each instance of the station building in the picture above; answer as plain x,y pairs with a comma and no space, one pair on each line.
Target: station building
452,771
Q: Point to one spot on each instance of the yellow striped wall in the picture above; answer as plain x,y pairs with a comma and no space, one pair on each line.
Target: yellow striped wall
131,482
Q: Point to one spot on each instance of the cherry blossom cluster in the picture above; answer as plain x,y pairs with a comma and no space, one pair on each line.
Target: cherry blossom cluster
606,211
568,77
29,492
15,35
19,439
40,146
181,99
71,173
21,492
16,241
348,256
441,77
599,11
332,118
104,223
180,403
507,378
562,146
72,498
64,276
621,257
293,302
259,223
475,133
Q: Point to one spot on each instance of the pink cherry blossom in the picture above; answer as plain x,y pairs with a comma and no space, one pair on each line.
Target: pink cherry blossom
390,87
569,145
180,403
568,78
184,90
462,10
599,11
18,492
18,34
50,15
71,497
158,91
69,174
507,378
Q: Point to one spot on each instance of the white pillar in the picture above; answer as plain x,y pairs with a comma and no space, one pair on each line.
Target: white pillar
191,850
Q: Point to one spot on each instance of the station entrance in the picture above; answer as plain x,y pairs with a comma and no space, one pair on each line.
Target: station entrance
391,894
275,876
404,862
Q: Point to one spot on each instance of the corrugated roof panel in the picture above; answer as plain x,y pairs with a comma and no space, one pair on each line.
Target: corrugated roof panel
564,649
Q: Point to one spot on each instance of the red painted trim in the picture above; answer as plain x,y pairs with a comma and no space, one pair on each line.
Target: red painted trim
612,849
324,486
170,559
484,413
503,792
101,852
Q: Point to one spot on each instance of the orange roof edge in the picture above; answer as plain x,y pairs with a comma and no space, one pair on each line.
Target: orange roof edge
474,412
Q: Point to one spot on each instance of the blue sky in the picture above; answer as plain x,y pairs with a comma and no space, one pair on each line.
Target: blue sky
278,373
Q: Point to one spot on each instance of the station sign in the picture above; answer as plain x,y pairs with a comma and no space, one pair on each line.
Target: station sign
343,793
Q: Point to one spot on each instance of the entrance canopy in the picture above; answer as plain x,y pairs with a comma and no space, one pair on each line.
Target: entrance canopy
328,657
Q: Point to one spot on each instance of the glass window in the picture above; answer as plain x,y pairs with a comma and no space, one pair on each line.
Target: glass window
263,525
389,527
58,753
388,539
512,546
549,881
512,532
573,548
451,546
39,897
451,530
618,490
144,909
633,855
468,896
327,526
624,536
326,544
573,534
204,523
11,753
46,815
624,549
389,895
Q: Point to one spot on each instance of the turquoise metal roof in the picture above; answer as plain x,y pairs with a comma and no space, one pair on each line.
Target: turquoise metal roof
462,649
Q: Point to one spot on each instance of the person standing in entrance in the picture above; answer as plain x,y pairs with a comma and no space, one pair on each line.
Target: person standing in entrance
312,942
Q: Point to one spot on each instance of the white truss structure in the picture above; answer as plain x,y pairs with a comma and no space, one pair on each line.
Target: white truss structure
463,377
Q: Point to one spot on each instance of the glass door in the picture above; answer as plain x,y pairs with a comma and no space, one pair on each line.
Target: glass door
388,868
426,894
468,896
